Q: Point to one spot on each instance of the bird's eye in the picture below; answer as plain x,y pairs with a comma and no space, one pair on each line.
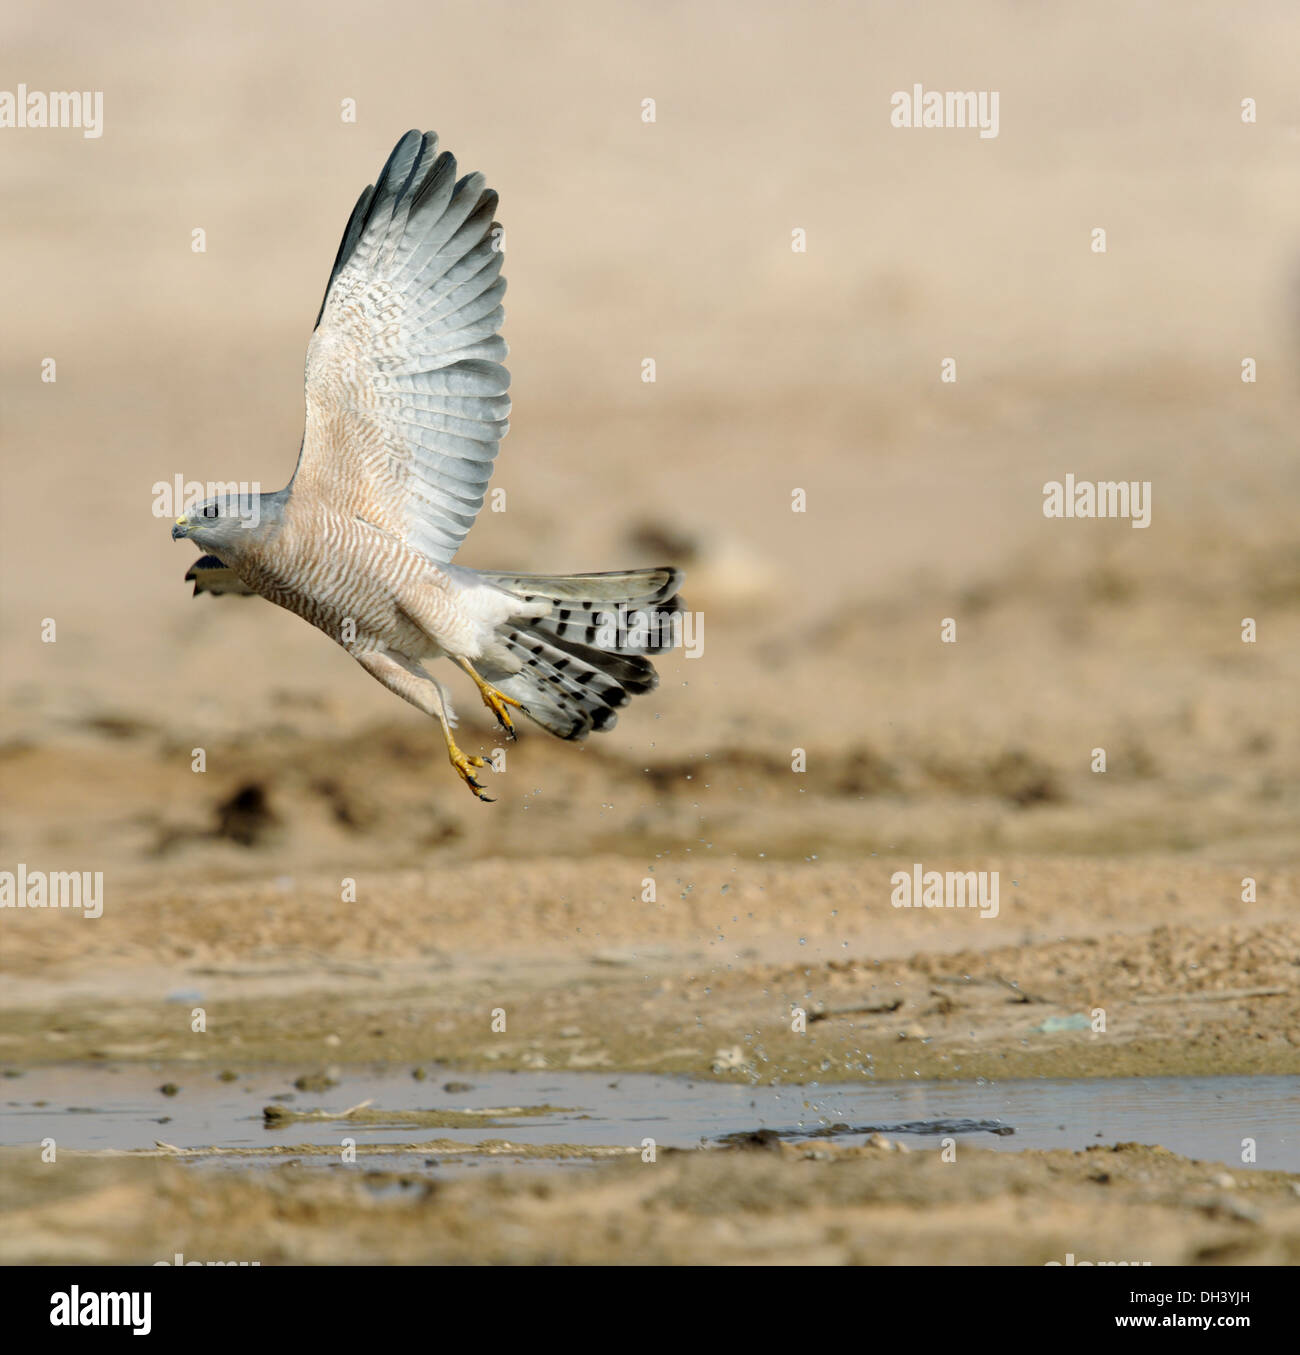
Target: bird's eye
210,510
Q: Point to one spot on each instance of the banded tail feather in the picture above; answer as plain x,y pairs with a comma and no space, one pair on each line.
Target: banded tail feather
574,666
624,611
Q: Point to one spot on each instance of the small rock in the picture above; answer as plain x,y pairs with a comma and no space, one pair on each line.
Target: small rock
756,1138
614,957
728,1060
316,1082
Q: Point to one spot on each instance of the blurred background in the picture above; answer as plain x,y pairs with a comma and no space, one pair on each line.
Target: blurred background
329,891
776,370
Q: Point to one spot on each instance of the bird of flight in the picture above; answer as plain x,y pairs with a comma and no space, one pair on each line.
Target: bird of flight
406,406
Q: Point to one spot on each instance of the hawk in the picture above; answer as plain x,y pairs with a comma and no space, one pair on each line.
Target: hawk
406,408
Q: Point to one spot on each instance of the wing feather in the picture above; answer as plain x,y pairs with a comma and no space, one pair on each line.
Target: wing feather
406,391
210,575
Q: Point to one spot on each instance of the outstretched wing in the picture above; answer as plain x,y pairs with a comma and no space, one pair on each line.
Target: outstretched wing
406,394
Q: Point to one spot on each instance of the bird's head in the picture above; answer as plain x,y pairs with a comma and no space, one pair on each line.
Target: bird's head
221,525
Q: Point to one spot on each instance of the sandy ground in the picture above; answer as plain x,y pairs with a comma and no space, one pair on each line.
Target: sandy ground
333,892
589,977
868,1205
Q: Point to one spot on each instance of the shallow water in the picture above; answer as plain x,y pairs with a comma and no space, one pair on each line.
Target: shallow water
101,1106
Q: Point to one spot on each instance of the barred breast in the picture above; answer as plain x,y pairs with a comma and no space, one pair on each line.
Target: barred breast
361,585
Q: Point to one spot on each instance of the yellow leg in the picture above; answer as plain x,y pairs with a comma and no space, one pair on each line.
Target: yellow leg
494,700
405,677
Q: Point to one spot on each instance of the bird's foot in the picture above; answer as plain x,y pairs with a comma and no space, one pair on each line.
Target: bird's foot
464,764
494,700
497,702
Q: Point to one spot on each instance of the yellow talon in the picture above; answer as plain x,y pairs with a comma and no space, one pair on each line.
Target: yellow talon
494,700
497,702
464,764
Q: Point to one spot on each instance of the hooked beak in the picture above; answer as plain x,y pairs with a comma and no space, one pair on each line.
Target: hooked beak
180,528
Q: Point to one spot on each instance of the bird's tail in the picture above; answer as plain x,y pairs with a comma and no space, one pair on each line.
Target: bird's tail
571,668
